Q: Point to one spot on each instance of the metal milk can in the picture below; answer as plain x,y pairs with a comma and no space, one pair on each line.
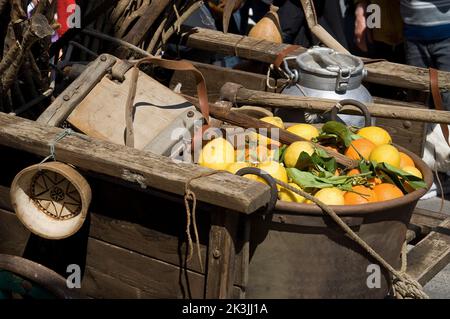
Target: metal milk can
324,73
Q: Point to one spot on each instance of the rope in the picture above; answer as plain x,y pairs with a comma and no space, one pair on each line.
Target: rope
189,196
405,287
59,137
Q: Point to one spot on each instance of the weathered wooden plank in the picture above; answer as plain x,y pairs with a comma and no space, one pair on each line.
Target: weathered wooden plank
216,77
430,255
157,279
65,103
385,73
426,220
147,169
5,200
242,260
221,257
13,235
99,285
143,240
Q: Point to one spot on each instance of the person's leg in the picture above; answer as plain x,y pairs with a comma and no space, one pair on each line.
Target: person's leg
417,54
441,58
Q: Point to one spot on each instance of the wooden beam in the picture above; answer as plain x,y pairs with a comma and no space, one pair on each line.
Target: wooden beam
216,77
240,95
150,170
65,103
386,73
426,220
431,255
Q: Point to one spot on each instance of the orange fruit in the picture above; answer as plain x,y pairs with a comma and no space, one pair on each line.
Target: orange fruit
354,172
362,146
406,160
387,191
361,195
375,181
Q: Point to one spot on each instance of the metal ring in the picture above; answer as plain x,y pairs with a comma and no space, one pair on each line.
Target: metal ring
269,179
364,109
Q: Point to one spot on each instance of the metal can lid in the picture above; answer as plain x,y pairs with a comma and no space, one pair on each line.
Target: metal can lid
328,62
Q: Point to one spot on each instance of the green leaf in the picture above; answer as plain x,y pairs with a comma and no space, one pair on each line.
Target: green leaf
399,176
307,180
281,152
322,153
308,162
340,130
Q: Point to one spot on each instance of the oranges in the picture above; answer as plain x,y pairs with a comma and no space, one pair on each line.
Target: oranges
405,160
361,147
376,135
385,191
354,172
386,154
360,195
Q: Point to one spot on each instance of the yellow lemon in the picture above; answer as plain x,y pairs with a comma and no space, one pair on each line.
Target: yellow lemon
289,196
217,154
413,171
235,167
274,120
386,154
331,196
263,140
306,131
376,135
274,169
294,150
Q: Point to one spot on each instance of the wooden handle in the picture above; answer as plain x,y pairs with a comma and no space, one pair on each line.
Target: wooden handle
240,95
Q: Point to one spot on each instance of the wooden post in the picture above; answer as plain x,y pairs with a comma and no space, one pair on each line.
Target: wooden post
221,255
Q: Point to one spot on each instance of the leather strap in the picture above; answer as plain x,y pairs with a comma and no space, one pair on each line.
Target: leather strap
284,53
437,98
171,65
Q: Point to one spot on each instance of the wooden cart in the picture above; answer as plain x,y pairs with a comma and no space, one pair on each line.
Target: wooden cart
133,245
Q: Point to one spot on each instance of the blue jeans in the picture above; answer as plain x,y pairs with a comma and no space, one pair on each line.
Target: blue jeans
430,54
